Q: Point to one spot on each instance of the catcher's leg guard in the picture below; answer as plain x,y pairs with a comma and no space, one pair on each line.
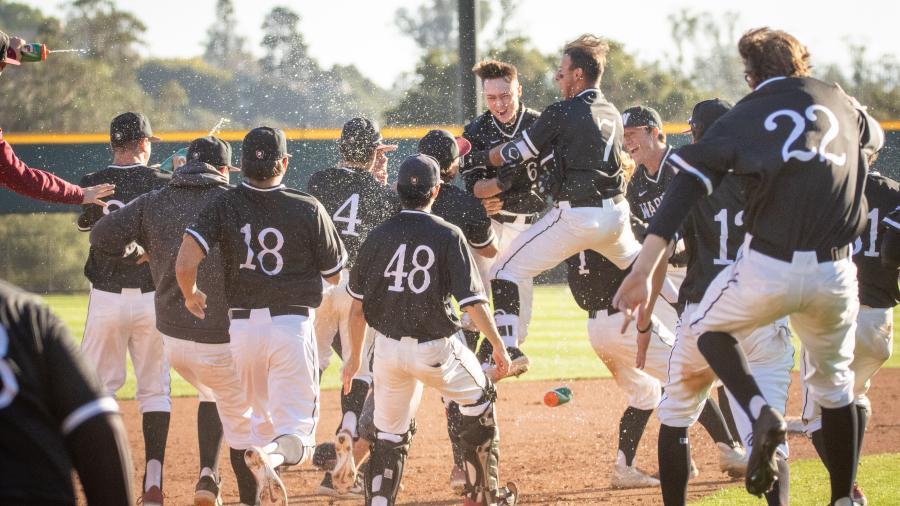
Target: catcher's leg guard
480,441
352,407
386,468
454,422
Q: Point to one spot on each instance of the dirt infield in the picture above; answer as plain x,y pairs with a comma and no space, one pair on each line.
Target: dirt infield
558,455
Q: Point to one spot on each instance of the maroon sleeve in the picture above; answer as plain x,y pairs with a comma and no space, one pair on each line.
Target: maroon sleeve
34,183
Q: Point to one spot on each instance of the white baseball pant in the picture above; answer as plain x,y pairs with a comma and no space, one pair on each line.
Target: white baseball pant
874,343
277,363
820,298
210,369
333,316
126,322
617,351
561,233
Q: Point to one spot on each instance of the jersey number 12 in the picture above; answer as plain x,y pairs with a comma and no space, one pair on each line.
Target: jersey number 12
722,218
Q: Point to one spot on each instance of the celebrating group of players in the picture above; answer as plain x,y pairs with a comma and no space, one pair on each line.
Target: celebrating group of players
771,215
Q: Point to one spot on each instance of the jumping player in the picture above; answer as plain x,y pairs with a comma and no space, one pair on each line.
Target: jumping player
121,317
805,206
405,275
585,133
277,244
196,349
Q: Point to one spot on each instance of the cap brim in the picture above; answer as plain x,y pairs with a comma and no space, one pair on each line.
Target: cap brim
686,131
10,61
154,139
464,146
232,168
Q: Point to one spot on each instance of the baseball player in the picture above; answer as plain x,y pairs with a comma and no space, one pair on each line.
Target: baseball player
585,133
890,240
878,294
277,244
54,416
463,210
120,314
405,275
196,349
357,201
801,140
514,202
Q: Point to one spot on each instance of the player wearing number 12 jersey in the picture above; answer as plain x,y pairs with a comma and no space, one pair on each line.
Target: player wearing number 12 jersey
277,244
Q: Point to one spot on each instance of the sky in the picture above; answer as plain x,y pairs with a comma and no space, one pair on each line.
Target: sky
363,32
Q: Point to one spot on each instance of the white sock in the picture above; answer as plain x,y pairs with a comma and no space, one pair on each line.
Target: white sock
207,472
153,474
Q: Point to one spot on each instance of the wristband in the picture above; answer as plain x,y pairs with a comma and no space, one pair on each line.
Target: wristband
644,331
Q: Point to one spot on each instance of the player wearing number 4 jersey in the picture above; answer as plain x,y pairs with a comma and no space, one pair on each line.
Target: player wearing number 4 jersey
406,273
803,143
277,244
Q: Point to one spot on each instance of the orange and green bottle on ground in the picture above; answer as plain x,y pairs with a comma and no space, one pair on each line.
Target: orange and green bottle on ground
558,396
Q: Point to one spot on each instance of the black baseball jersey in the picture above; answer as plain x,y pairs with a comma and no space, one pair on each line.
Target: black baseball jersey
593,280
803,142
645,192
877,285
466,212
46,392
112,273
585,135
484,132
277,244
356,202
406,272
713,233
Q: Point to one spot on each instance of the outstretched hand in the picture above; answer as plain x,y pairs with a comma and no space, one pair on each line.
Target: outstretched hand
93,194
632,297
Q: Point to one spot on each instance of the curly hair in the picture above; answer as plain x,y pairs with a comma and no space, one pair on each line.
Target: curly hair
771,53
588,53
493,69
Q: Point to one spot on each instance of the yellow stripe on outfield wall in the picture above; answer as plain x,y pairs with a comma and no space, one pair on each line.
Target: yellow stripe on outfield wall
299,134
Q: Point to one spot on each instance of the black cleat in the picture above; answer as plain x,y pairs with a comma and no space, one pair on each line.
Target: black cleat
762,470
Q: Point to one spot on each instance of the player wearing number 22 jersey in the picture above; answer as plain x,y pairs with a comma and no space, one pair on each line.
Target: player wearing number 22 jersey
277,245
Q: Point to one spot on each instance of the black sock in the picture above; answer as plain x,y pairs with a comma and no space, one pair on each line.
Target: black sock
839,432
818,441
454,421
155,425
209,435
674,464
471,339
728,415
246,483
862,420
631,428
779,495
727,360
711,419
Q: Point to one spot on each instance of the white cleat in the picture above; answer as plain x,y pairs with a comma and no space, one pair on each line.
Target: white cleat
625,476
270,490
694,471
458,481
732,460
795,425
344,473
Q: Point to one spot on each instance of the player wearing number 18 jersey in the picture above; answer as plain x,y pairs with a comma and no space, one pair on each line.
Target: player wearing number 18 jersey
277,244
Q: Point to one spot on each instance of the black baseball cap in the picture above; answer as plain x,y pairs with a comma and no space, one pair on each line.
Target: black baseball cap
360,133
444,147
640,116
418,175
706,113
262,146
211,150
130,126
7,55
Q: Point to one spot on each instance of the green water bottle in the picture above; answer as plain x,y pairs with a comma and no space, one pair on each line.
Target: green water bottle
558,396
32,53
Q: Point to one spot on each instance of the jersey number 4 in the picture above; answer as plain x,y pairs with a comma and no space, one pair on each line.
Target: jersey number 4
351,207
396,269
273,251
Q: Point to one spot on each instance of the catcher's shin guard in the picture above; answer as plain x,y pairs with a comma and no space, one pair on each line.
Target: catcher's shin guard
480,441
454,422
386,468
352,407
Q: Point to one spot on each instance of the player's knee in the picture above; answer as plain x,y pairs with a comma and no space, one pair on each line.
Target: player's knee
645,396
709,342
506,296
289,446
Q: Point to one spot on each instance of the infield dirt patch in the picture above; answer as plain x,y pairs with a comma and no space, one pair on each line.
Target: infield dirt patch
560,455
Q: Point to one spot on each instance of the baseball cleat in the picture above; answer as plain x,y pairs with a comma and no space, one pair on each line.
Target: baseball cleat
327,488
732,460
769,431
153,496
206,493
694,471
324,456
344,473
519,364
270,490
795,425
508,495
631,477
858,496
458,481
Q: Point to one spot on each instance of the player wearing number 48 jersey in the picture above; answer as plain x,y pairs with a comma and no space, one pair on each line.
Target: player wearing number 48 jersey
402,283
277,244
803,142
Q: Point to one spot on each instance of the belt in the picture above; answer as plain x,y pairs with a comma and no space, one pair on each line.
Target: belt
120,291
419,339
591,202
822,254
244,314
522,219
594,313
